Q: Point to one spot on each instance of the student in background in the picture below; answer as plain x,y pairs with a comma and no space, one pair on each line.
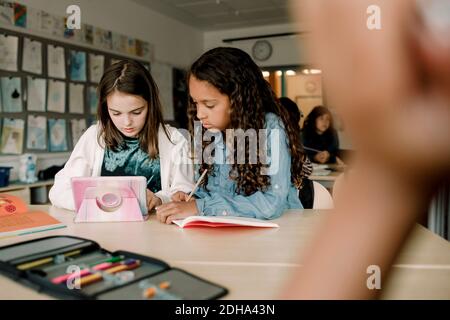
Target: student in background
130,139
396,106
227,91
320,139
294,110
306,190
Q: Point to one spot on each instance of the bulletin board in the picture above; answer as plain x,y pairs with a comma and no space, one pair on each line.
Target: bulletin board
47,92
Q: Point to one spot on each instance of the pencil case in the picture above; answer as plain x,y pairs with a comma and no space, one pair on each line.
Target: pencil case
69,267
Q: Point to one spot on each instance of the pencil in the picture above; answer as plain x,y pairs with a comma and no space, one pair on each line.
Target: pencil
40,262
196,185
87,272
311,149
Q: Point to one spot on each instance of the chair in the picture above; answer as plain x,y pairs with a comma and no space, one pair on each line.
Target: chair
322,198
338,184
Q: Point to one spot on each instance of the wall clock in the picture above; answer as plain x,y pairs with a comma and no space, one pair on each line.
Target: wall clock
261,50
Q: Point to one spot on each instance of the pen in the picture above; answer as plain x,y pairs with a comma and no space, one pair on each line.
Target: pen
40,262
98,276
311,149
65,277
112,259
100,265
196,185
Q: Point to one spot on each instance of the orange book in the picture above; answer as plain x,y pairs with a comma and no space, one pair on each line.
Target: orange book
15,219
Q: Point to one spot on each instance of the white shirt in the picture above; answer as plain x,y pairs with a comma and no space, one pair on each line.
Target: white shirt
177,172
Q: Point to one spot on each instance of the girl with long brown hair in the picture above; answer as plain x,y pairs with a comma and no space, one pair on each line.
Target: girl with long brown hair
130,139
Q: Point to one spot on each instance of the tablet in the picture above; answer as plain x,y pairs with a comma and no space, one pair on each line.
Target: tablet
109,195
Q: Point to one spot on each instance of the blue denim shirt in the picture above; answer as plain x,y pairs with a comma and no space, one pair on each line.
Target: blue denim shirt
221,197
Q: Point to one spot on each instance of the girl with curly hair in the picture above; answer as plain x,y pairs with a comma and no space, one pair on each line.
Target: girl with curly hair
228,93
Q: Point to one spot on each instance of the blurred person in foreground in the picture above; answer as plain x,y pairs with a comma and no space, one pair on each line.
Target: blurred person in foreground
392,88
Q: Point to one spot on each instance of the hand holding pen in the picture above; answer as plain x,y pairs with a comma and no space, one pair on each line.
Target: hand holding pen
180,209
181,196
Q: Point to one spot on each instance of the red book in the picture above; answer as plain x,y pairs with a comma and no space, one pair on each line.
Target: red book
225,221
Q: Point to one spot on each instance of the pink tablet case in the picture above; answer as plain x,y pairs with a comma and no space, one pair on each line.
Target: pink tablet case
110,199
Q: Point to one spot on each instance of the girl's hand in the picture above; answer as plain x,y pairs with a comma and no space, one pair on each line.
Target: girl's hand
339,162
168,212
318,158
179,196
152,200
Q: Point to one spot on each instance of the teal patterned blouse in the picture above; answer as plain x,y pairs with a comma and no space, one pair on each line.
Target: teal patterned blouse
130,160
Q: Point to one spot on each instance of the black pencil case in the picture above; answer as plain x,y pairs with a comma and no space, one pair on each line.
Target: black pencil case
59,266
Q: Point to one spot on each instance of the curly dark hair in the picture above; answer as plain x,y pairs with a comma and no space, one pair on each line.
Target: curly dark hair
233,73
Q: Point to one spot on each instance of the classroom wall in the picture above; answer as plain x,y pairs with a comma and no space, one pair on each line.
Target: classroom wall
175,43
287,50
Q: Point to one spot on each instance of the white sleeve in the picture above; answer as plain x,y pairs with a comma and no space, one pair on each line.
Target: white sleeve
80,164
181,176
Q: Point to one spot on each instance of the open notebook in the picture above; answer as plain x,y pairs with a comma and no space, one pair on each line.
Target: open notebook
320,170
16,220
204,221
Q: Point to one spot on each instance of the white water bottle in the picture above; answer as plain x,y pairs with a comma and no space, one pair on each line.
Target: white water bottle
30,170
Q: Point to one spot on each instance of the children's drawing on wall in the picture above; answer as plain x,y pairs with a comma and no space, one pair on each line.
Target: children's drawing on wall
34,19
56,100
55,62
119,42
11,94
96,67
20,15
52,24
78,126
8,52
36,94
77,65
37,132
131,46
57,134
6,13
88,33
102,38
12,136
76,100
32,56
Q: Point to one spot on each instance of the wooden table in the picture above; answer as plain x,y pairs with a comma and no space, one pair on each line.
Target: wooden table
328,180
251,263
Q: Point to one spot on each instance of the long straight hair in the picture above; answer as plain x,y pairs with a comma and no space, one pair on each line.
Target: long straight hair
130,77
